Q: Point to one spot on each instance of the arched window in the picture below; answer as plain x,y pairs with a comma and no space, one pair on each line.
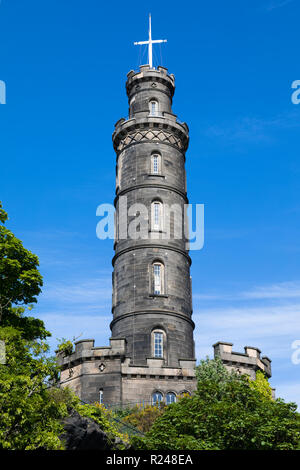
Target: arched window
158,348
101,396
157,398
155,164
170,398
158,278
157,215
153,108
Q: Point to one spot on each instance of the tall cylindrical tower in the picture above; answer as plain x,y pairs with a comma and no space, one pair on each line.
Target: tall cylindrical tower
152,305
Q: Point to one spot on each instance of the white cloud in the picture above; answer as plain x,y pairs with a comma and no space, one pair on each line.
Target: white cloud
250,322
68,326
282,290
289,391
271,328
276,291
277,4
91,291
253,129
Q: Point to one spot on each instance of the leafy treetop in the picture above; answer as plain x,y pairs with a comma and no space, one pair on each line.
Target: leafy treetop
225,413
20,283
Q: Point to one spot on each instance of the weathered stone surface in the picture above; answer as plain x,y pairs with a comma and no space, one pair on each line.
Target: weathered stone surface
83,434
126,371
248,362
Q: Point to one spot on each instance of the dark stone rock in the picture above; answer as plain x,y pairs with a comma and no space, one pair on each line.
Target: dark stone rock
83,434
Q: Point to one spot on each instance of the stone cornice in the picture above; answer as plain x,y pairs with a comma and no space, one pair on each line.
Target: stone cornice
151,312
151,245
151,185
150,129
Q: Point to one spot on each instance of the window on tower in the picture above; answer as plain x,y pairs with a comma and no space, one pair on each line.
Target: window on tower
158,278
156,213
101,396
155,164
158,344
153,108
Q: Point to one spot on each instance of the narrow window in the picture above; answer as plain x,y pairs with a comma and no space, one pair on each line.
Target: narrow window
156,398
157,277
153,108
155,167
101,396
156,215
170,398
158,344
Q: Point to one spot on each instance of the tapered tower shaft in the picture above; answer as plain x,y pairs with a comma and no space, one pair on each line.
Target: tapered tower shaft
151,279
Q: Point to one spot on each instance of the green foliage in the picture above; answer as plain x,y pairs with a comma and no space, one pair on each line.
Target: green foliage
143,417
121,413
65,346
225,413
262,385
31,328
214,369
29,416
104,418
3,214
20,279
32,411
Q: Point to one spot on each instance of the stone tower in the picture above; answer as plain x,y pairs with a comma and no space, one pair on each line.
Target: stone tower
151,278
151,354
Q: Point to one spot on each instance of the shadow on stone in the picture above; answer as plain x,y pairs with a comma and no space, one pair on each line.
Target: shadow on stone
83,433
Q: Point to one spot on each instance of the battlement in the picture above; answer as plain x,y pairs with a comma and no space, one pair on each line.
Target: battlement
246,363
90,369
85,351
145,73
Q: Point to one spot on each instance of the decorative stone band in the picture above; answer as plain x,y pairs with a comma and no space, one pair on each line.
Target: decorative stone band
151,312
150,135
150,185
143,246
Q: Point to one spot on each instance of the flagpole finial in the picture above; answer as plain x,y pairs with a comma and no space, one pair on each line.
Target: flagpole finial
150,43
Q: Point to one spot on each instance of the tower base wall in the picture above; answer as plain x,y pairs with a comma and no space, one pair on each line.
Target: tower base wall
90,370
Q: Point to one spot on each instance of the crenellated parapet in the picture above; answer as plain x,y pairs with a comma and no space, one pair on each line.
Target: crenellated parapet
90,370
85,351
147,78
162,126
246,363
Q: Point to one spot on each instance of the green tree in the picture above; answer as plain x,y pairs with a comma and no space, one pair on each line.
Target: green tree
20,281
30,417
214,370
262,385
225,412
143,417
31,407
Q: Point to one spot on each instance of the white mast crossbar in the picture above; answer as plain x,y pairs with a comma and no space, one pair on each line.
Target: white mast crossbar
150,42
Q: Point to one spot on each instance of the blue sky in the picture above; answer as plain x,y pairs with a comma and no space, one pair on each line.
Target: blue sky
65,64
